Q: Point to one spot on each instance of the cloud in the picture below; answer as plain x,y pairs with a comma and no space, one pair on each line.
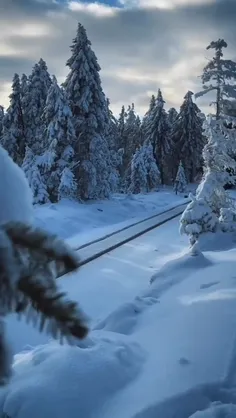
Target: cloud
139,48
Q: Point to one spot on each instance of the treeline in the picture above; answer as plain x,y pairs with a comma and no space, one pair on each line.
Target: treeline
70,145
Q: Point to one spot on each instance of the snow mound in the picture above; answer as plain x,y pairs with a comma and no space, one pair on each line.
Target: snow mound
64,381
15,194
175,271
124,318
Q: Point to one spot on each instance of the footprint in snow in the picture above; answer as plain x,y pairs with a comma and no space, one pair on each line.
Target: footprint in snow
207,285
124,318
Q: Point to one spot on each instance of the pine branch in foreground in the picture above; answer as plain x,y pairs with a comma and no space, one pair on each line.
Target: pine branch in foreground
29,262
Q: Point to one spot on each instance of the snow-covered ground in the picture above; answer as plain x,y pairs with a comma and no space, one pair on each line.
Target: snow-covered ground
83,223
162,350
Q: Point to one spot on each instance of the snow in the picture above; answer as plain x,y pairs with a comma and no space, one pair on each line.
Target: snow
83,223
20,207
161,349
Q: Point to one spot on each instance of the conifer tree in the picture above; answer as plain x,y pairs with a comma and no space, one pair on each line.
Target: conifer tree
60,138
180,180
1,120
172,115
34,99
219,76
31,168
138,176
158,134
88,103
68,186
13,132
153,173
131,140
187,134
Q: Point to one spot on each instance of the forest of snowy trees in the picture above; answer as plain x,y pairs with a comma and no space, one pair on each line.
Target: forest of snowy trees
70,144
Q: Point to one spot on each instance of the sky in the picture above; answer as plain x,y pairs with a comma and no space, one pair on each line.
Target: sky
141,45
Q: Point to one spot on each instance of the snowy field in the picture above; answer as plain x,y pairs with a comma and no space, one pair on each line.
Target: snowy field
161,350
83,223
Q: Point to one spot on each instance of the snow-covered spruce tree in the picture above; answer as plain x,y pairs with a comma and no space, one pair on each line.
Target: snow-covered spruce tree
218,163
145,175
197,218
219,76
68,185
153,173
145,121
1,120
60,139
172,115
34,95
187,135
88,103
157,132
13,132
180,180
116,153
31,168
131,141
211,195
138,176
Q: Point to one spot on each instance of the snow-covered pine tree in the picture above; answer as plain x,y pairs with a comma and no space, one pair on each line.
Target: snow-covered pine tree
172,115
116,153
88,103
218,164
153,173
180,180
131,141
209,206
13,131
197,219
60,139
1,120
145,175
138,176
34,95
31,168
145,121
68,185
157,132
219,76
187,135
121,126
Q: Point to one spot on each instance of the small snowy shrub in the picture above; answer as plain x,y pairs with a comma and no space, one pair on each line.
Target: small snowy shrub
227,220
180,180
197,219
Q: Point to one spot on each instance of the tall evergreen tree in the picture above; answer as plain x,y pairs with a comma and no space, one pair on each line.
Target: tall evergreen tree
1,120
145,175
116,153
131,141
13,132
172,115
158,134
145,121
219,75
60,138
33,175
34,100
88,103
188,137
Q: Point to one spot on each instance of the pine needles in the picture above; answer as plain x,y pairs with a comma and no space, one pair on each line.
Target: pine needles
30,260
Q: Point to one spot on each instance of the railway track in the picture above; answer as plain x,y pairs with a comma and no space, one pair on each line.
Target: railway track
97,248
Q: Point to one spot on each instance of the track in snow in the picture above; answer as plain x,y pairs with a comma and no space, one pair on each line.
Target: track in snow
97,248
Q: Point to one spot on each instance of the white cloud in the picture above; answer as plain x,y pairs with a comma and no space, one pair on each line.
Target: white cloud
164,4
139,49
